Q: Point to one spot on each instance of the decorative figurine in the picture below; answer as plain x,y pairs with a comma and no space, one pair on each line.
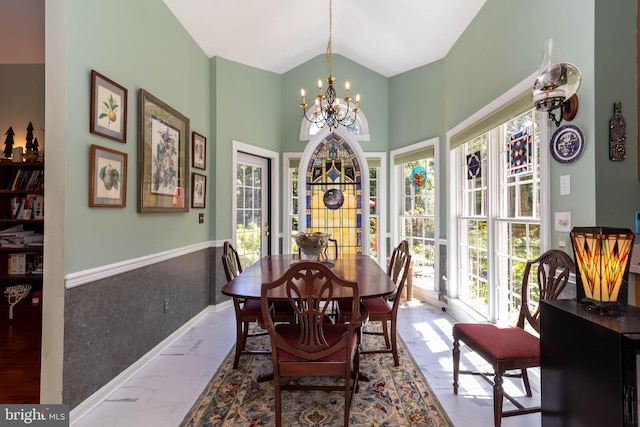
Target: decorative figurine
31,147
29,138
617,134
8,143
35,148
15,294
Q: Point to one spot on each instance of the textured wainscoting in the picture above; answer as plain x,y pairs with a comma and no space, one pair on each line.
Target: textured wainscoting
217,278
441,280
112,322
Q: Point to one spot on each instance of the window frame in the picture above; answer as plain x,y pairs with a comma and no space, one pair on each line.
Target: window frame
460,309
397,180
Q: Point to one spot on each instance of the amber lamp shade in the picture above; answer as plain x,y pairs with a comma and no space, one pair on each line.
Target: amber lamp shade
602,256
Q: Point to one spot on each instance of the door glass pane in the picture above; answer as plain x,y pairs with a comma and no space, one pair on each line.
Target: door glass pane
418,219
249,214
373,212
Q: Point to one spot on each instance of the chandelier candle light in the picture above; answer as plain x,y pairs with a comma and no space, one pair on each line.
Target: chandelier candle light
328,110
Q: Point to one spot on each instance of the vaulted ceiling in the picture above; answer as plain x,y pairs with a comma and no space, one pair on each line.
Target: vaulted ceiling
386,36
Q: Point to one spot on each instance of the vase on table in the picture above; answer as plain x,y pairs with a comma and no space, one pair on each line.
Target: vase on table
312,244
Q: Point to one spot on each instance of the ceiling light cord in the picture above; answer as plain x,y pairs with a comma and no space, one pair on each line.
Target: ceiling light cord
327,110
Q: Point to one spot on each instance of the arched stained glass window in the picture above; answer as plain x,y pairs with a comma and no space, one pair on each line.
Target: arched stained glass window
334,193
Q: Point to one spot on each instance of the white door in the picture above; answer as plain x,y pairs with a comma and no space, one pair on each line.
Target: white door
252,208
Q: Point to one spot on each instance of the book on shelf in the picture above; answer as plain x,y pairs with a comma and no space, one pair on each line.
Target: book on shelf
15,205
38,206
25,180
29,207
24,263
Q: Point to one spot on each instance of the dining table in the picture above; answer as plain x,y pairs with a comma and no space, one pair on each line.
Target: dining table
372,280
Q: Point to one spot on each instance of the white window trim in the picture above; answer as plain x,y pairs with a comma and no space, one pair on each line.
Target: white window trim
545,178
382,205
238,146
361,119
287,200
397,178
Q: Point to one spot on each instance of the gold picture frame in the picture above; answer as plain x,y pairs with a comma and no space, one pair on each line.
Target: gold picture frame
163,153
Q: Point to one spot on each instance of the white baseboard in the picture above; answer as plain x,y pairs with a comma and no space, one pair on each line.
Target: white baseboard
89,404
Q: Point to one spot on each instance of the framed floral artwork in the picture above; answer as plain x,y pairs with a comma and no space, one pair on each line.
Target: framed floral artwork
199,190
108,178
108,108
198,151
163,153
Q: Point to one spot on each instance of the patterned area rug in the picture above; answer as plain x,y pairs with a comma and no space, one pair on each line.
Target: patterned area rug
395,396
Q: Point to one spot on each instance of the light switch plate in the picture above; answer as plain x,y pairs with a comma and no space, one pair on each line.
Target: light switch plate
563,222
565,185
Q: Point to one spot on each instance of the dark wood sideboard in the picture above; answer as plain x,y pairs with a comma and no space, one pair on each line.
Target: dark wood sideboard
588,366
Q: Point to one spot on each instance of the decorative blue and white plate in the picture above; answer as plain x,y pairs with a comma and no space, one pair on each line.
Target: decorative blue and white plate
567,144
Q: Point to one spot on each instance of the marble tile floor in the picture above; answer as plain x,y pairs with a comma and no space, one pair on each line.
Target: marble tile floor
162,393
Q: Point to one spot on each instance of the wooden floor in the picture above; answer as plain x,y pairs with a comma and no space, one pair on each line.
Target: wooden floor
20,353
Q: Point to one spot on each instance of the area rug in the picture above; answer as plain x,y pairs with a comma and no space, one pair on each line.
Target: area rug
394,396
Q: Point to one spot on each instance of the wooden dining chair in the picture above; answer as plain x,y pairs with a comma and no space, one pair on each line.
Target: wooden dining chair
385,309
314,346
247,310
333,243
513,348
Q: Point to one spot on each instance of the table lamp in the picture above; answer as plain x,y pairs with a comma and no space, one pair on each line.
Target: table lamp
602,257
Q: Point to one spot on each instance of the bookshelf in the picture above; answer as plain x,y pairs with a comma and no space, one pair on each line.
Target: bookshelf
21,224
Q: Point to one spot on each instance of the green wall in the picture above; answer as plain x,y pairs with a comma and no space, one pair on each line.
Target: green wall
139,45
617,187
246,105
416,104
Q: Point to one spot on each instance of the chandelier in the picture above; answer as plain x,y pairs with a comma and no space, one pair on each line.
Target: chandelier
328,110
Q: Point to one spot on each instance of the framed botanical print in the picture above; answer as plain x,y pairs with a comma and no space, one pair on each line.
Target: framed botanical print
107,178
108,108
163,153
198,151
199,190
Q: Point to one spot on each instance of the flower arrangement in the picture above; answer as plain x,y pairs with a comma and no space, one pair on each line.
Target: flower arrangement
312,244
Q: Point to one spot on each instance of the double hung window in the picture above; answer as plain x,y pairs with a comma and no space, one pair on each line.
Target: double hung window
498,211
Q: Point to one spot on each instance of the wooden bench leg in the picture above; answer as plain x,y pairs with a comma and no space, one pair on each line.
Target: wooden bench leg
456,364
498,394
